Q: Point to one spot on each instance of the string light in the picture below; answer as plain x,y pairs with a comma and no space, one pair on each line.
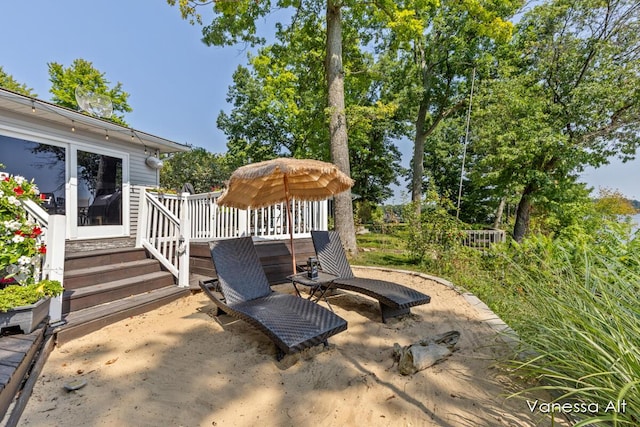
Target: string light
56,110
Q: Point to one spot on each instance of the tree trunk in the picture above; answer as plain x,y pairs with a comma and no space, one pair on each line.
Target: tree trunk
499,211
418,157
338,124
523,213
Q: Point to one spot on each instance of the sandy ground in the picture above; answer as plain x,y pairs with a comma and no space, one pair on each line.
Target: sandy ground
179,366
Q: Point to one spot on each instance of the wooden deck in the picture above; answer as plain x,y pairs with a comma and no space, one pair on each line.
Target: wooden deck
275,256
21,359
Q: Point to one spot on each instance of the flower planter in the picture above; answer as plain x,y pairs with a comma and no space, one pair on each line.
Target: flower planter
27,317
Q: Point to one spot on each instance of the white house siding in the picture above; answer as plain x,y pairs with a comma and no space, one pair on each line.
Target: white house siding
37,128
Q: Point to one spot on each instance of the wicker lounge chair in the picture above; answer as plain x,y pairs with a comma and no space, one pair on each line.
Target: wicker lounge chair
394,299
291,322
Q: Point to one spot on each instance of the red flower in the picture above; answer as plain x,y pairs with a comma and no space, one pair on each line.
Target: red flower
19,191
6,178
42,249
36,232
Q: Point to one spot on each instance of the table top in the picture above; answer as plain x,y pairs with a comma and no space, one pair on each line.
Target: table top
303,279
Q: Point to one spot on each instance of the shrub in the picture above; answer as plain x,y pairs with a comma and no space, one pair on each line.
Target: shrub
585,334
434,234
20,249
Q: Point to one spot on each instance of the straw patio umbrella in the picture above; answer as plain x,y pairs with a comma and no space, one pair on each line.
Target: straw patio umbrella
279,180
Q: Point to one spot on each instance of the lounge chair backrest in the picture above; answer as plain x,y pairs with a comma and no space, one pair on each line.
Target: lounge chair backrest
239,270
331,254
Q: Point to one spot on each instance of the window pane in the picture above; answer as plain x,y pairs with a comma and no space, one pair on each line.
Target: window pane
99,189
43,163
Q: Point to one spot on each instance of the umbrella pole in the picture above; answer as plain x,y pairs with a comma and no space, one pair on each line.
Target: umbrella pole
293,252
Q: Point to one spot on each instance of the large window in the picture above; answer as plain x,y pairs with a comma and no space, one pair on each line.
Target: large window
43,163
99,189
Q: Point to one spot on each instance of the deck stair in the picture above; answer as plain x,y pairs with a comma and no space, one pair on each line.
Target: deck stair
107,285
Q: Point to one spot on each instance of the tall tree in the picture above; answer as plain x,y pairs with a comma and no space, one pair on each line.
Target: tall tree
567,96
8,82
338,122
205,171
437,45
236,22
64,82
278,109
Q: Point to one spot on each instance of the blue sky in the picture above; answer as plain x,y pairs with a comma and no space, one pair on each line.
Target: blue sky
177,85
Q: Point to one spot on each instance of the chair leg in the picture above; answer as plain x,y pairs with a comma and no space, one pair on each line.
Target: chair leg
387,312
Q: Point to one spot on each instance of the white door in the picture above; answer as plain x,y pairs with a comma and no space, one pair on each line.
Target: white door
99,193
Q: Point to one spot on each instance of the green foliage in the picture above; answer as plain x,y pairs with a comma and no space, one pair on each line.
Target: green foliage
613,203
279,108
434,234
585,333
564,96
204,170
572,297
367,212
431,53
82,73
8,82
21,248
13,296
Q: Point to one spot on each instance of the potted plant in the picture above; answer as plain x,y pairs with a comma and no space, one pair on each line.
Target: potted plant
22,297
26,306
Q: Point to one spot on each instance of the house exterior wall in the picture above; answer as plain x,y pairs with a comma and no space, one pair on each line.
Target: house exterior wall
35,127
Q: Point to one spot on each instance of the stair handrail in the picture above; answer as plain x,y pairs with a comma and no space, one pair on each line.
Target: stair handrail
53,237
165,235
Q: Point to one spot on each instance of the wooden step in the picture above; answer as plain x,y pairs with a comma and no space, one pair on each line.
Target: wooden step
17,354
96,258
82,322
87,296
74,279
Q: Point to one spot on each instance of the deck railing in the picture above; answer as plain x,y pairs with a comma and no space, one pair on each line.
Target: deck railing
164,233
169,222
482,239
53,236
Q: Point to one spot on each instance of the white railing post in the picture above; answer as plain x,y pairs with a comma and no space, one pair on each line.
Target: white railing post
243,222
323,224
54,261
143,212
184,242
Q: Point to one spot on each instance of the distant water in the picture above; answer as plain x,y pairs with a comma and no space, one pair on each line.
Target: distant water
636,219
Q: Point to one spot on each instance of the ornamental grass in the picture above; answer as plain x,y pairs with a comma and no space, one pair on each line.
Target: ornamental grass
585,334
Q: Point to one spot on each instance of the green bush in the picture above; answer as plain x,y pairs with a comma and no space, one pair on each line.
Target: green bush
585,334
434,234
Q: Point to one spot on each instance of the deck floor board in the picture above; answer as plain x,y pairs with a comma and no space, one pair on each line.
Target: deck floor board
17,354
